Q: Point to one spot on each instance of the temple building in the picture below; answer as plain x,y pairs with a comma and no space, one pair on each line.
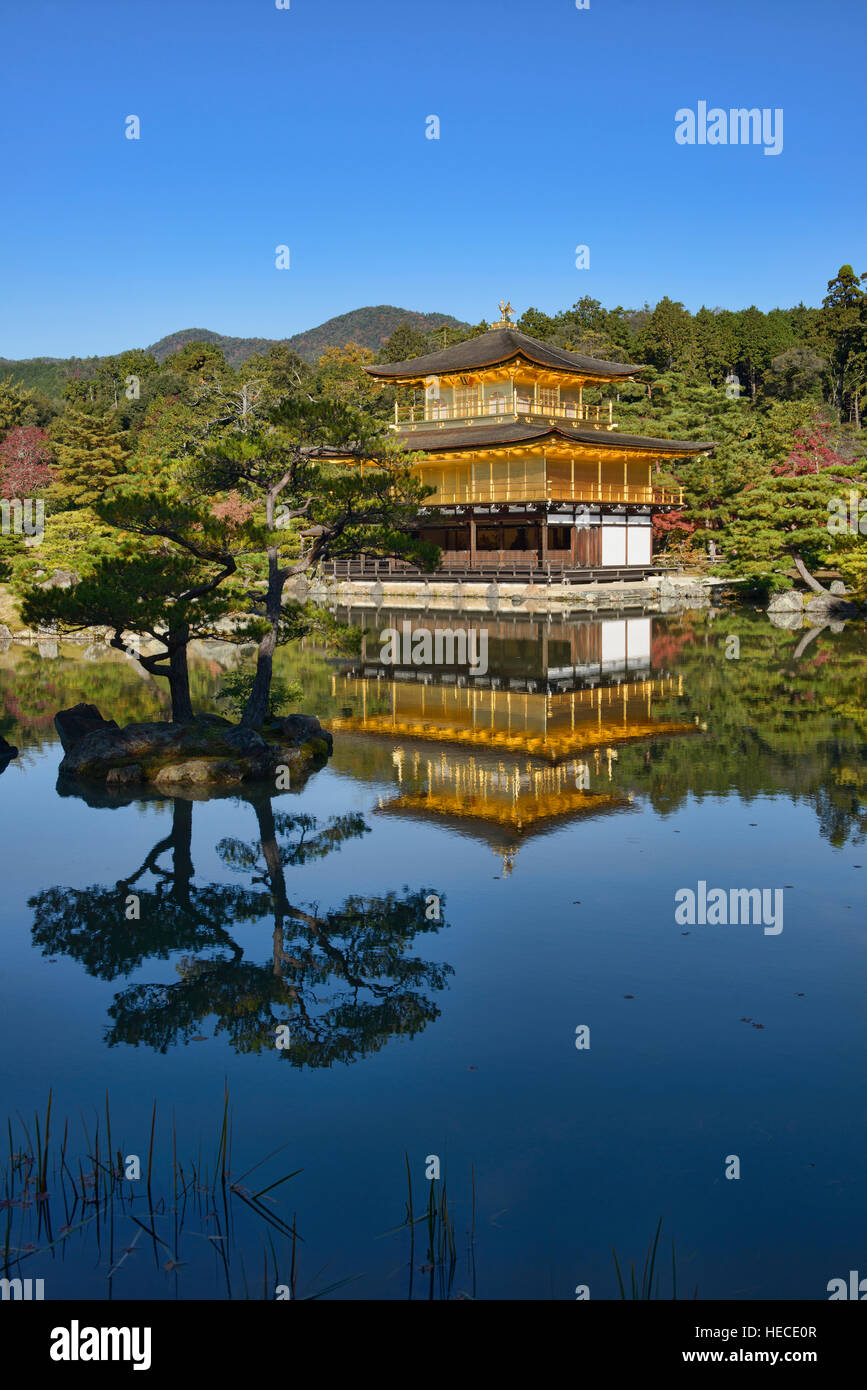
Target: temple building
528,477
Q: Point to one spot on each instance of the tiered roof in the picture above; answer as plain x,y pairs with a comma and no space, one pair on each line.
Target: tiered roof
498,347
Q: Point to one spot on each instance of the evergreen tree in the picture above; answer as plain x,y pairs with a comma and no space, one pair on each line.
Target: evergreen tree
404,343
92,455
666,340
365,503
845,319
781,518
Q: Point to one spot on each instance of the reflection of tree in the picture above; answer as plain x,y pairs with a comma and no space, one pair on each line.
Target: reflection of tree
780,719
341,980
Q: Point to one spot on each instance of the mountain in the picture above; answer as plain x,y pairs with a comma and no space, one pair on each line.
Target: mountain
370,326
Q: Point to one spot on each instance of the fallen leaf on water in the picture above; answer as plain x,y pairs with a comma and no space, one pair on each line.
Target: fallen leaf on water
758,1025
472,1068
173,1264
629,996
198,1039
798,995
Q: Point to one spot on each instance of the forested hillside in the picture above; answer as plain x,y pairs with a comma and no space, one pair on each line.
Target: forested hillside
370,327
781,395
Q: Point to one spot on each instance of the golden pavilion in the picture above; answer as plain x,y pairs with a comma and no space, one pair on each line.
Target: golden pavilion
528,477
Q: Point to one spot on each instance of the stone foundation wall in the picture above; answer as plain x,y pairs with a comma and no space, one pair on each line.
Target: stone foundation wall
653,595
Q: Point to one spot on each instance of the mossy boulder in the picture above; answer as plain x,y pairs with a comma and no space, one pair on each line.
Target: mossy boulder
208,752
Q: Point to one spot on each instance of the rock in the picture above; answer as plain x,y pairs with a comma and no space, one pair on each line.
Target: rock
128,776
76,723
200,771
790,601
837,586
207,752
7,750
247,742
5,638
301,728
61,579
826,605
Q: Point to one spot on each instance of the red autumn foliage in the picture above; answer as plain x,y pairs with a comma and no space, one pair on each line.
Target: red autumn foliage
671,523
234,511
25,462
810,452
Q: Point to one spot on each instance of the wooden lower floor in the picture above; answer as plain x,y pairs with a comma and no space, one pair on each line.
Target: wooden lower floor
581,544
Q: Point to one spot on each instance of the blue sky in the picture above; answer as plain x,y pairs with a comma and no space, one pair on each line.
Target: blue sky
306,127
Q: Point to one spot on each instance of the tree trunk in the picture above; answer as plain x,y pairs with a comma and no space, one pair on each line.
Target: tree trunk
179,675
182,852
256,707
807,577
276,878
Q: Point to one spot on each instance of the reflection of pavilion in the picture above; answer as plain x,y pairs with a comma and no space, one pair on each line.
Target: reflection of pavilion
550,727
501,802
502,759
523,653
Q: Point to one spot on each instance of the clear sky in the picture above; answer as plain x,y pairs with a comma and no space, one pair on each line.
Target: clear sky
306,127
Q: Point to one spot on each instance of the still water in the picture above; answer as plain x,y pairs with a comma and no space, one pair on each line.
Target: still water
466,922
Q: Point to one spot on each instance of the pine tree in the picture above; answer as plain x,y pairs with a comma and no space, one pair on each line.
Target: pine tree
845,317
782,518
91,456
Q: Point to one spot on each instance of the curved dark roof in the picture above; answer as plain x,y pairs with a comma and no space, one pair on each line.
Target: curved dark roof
497,346
483,436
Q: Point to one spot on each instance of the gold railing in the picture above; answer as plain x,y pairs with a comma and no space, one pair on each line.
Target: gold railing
556,492
437,412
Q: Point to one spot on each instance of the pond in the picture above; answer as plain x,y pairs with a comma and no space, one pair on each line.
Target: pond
463,1011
